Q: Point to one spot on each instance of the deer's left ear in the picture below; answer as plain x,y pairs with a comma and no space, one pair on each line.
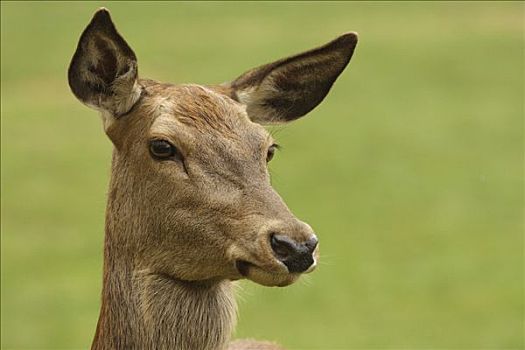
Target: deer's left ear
103,71
289,88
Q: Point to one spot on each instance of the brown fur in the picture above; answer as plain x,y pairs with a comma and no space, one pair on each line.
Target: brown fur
178,231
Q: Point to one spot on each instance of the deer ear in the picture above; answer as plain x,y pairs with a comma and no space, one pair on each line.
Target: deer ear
103,71
289,88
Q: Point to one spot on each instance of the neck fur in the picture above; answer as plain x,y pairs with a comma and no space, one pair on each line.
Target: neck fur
142,309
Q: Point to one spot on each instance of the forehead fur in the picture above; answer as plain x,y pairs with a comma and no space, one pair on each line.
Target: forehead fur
198,107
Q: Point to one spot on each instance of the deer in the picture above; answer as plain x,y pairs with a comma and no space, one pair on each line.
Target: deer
190,206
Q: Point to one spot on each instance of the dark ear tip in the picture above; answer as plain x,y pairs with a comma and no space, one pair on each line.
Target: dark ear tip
102,17
349,38
102,11
345,44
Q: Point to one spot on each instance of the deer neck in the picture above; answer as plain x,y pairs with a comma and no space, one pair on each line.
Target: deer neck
145,310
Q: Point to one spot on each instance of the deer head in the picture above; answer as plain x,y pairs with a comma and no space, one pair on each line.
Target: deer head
190,196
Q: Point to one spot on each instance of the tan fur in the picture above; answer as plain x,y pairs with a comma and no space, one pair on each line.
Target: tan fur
171,240
180,230
249,344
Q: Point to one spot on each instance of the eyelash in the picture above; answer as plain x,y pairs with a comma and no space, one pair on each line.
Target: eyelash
163,150
271,152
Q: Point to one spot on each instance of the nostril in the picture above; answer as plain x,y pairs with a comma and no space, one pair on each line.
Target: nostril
311,244
297,257
282,246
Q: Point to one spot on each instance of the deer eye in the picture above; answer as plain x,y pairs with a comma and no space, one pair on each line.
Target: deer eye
271,152
161,149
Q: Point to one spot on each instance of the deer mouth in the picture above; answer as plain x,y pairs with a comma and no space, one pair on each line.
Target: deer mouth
265,277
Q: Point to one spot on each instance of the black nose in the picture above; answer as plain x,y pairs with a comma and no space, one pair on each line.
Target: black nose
297,257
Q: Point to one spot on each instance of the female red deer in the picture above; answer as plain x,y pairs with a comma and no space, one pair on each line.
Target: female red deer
190,205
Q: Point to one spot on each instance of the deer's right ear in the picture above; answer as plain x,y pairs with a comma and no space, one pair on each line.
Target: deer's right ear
103,71
287,89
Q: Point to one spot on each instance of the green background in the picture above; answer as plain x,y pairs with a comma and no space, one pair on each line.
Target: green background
411,170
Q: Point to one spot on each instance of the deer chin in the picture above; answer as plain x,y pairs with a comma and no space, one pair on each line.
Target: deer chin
264,277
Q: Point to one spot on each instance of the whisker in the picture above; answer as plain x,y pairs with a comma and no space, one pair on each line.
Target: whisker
306,281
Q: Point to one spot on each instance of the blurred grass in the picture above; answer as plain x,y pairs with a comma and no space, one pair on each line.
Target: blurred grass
411,171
